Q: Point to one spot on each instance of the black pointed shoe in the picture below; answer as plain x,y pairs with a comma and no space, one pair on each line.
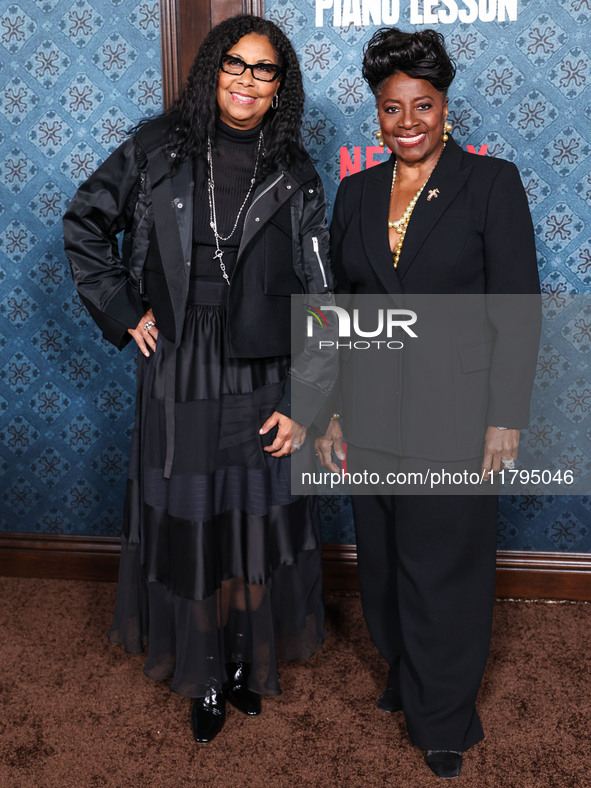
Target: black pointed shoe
208,715
444,763
242,698
389,700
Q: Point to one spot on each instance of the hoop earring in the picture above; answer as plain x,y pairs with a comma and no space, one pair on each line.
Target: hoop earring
275,102
446,127
379,135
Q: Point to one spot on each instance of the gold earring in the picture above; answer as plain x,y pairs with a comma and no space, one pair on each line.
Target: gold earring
381,142
446,127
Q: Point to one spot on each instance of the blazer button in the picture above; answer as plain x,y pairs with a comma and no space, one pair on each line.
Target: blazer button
179,205
257,219
288,186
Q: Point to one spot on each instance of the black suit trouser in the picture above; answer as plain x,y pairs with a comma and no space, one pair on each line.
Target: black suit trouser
427,577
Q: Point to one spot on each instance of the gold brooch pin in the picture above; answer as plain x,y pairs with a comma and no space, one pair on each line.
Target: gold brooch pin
432,193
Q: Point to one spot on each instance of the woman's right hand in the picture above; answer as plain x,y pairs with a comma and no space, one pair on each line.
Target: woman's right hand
333,438
145,338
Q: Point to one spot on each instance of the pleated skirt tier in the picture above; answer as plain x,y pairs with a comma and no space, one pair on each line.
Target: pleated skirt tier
219,562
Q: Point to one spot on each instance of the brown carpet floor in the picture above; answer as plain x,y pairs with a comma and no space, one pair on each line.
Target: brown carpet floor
76,712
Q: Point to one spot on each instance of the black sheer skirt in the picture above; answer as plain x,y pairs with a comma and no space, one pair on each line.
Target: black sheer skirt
219,562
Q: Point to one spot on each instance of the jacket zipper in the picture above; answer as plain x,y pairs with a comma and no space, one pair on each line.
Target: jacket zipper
316,247
258,197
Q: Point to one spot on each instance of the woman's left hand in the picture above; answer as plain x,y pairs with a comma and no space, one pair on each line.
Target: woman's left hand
499,445
290,435
145,333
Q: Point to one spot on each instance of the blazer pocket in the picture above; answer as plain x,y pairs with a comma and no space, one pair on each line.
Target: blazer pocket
280,277
476,358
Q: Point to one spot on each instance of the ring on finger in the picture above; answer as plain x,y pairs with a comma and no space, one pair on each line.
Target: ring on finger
296,446
150,324
508,463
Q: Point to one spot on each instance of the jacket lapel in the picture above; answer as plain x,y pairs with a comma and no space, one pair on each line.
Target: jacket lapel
448,177
375,203
160,164
172,206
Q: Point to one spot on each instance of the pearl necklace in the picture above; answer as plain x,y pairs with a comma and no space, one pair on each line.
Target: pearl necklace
401,225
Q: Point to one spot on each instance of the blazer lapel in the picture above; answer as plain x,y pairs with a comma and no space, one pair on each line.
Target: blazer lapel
448,177
375,203
173,231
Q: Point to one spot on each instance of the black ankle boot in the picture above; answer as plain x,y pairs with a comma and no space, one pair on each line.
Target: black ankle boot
208,715
444,763
245,700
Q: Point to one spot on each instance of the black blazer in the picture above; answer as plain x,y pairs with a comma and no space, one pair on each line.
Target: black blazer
475,238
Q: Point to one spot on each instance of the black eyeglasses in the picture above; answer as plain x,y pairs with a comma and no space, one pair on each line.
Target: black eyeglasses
265,72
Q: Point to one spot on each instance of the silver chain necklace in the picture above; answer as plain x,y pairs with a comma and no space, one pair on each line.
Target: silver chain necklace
213,221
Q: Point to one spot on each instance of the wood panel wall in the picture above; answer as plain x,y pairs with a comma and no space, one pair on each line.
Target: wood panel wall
531,575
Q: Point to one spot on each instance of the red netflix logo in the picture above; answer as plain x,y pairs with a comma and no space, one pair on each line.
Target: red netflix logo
351,165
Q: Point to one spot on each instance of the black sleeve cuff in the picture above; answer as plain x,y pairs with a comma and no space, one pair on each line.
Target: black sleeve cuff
308,401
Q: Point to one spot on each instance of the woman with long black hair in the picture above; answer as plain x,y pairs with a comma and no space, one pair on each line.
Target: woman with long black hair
224,219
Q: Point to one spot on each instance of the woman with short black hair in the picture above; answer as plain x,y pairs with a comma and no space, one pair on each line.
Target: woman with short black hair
433,220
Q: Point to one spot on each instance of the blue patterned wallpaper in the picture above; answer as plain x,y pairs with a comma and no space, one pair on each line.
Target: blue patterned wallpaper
74,76
522,89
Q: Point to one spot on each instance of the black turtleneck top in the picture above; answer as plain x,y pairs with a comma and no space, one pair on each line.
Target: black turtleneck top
233,154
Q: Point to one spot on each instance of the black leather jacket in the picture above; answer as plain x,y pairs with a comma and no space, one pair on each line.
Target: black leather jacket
140,191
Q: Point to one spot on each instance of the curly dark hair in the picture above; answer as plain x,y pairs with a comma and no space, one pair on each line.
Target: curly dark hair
420,55
195,111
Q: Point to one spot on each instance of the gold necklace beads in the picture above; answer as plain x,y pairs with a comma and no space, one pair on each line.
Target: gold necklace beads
401,225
